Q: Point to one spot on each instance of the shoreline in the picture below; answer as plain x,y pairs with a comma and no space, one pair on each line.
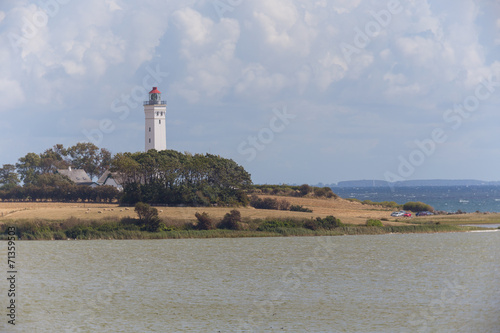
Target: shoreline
348,230
63,221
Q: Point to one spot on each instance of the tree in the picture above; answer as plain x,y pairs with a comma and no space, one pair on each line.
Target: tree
8,177
171,177
231,221
205,222
52,179
305,189
89,157
29,167
105,158
148,216
53,159
417,207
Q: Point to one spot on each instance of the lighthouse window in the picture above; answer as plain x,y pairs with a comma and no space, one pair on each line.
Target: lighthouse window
149,140
160,121
150,129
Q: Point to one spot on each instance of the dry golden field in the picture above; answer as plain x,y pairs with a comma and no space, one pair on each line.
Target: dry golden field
346,211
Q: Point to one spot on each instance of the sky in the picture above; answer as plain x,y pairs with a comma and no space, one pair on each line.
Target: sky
294,91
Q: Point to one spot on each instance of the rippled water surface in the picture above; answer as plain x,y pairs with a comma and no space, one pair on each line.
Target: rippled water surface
389,283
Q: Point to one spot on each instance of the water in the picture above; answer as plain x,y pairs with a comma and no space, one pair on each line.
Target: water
446,198
387,283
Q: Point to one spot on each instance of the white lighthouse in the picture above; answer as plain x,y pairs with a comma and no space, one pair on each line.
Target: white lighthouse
156,130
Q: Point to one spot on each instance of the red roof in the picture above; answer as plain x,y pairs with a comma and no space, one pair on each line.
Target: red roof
155,91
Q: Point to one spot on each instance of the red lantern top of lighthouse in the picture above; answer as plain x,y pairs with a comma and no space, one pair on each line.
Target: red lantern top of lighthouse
155,98
155,91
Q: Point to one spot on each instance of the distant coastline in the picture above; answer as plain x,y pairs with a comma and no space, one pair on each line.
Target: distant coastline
413,183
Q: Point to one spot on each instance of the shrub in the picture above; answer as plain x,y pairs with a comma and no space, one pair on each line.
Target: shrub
320,191
231,221
283,204
374,223
300,208
417,207
107,227
59,235
269,203
329,193
324,192
311,224
148,216
329,222
305,189
272,225
242,197
204,222
79,232
389,204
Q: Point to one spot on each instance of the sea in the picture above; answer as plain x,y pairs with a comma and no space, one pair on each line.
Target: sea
397,283
451,199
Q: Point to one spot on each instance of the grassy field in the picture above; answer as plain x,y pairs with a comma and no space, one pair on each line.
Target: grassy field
350,213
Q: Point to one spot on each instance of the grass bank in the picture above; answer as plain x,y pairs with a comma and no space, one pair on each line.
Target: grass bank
127,228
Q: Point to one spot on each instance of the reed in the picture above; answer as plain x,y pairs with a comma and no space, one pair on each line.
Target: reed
74,228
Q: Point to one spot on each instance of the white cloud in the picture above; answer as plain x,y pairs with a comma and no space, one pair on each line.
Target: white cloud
11,95
257,81
208,49
345,6
331,68
276,18
195,27
113,6
422,51
260,53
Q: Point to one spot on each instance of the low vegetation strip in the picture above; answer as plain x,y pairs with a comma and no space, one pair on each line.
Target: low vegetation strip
128,228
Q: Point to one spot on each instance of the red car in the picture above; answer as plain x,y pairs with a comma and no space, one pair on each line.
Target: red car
407,214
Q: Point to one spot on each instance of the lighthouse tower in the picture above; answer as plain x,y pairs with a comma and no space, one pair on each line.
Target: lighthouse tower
156,130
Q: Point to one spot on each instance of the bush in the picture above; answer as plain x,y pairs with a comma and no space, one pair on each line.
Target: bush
305,189
329,222
417,207
299,208
389,204
320,191
312,224
374,223
266,203
329,193
283,204
272,225
148,216
204,222
231,221
79,232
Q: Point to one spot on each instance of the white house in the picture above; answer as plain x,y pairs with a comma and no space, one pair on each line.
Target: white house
112,179
77,176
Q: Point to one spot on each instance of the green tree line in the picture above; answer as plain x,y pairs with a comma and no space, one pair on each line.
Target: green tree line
171,177
160,177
